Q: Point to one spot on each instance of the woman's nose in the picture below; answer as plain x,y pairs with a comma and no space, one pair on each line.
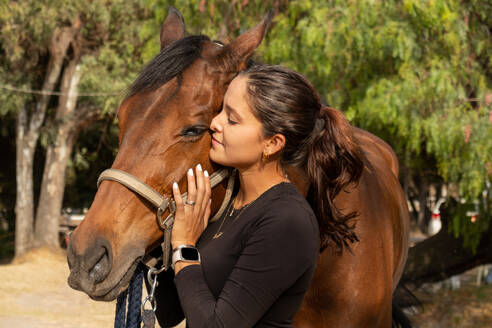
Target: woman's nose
215,125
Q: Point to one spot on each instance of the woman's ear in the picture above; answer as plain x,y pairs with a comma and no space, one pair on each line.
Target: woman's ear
274,144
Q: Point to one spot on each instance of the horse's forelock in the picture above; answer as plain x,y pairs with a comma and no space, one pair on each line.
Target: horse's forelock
169,63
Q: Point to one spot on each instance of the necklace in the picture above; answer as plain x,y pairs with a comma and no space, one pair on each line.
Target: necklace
229,214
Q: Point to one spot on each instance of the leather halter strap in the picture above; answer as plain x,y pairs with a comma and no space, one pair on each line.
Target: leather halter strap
163,203
136,186
147,192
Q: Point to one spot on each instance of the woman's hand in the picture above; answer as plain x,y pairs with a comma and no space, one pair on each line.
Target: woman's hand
191,220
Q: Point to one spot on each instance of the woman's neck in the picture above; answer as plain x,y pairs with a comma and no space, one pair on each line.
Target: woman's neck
255,181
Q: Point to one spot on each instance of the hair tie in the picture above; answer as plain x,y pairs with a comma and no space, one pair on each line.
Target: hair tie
319,124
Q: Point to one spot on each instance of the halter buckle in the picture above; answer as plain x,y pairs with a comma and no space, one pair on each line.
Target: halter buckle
167,223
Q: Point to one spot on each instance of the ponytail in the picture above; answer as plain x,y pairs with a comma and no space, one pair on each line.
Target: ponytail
334,162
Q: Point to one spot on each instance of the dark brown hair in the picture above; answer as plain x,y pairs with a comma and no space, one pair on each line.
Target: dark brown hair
319,140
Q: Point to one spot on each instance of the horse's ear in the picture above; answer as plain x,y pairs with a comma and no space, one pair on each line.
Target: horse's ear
173,28
240,49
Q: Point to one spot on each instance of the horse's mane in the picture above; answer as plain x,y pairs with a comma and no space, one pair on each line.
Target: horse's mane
169,63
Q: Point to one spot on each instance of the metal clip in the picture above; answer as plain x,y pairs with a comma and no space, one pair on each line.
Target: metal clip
153,284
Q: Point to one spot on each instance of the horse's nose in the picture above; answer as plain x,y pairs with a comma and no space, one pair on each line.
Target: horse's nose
98,264
91,267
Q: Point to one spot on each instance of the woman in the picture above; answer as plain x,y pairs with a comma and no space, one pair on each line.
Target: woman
257,261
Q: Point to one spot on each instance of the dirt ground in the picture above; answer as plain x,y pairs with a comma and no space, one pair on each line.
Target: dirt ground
467,307
34,294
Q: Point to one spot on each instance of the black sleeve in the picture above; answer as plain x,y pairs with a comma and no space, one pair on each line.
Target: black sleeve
270,262
168,312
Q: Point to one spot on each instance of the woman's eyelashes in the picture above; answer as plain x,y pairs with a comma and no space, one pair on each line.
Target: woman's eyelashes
231,121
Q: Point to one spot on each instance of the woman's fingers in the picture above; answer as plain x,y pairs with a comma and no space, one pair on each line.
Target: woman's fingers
177,198
200,188
191,186
207,192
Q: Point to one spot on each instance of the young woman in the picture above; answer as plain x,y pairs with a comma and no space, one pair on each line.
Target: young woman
257,261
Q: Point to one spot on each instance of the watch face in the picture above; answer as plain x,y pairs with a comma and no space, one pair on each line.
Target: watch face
189,254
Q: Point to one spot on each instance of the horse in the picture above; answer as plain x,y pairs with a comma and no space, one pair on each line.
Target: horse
164,130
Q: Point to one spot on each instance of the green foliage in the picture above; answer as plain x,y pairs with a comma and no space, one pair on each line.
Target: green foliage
118,58
463,225
109,42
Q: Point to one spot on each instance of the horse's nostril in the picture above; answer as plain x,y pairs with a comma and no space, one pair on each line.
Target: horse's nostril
101,268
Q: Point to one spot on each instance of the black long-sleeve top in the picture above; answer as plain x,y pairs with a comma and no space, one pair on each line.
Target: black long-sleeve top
255,274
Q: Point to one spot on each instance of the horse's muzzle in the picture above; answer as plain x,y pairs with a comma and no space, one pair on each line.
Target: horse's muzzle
91,267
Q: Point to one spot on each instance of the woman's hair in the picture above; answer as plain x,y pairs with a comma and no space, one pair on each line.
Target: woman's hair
318,139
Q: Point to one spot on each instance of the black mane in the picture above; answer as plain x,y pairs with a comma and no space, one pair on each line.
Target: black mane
170,62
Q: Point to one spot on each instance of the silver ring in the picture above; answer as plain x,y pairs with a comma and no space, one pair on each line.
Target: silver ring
190,202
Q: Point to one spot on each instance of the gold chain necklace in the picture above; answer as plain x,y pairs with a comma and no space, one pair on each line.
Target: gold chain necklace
230,210
228,213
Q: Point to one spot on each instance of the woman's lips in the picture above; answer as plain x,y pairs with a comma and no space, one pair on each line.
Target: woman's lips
216,142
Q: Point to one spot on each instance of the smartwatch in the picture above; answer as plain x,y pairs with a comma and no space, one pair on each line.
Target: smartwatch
185,253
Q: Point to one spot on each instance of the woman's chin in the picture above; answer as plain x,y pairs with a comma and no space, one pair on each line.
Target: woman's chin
214,157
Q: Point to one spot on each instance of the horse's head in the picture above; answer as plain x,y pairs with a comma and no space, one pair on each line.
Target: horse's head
164,125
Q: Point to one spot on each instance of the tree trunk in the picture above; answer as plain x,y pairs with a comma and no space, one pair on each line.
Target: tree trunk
27,134
442,256
24,203
57,155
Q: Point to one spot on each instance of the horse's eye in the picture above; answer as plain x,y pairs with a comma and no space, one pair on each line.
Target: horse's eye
194,131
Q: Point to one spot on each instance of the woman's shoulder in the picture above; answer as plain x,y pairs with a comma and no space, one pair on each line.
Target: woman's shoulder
285,209
287,199
284,219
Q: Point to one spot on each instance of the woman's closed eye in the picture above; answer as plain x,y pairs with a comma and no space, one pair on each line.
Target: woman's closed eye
231,121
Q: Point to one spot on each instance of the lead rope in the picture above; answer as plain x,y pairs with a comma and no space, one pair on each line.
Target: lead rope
134,295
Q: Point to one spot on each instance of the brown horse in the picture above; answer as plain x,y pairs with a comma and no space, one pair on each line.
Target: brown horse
164,131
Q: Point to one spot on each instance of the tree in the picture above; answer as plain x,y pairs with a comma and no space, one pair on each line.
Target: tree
116,31
417,74
40,42
30,115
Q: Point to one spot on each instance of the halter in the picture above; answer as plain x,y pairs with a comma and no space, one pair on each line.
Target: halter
162,204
